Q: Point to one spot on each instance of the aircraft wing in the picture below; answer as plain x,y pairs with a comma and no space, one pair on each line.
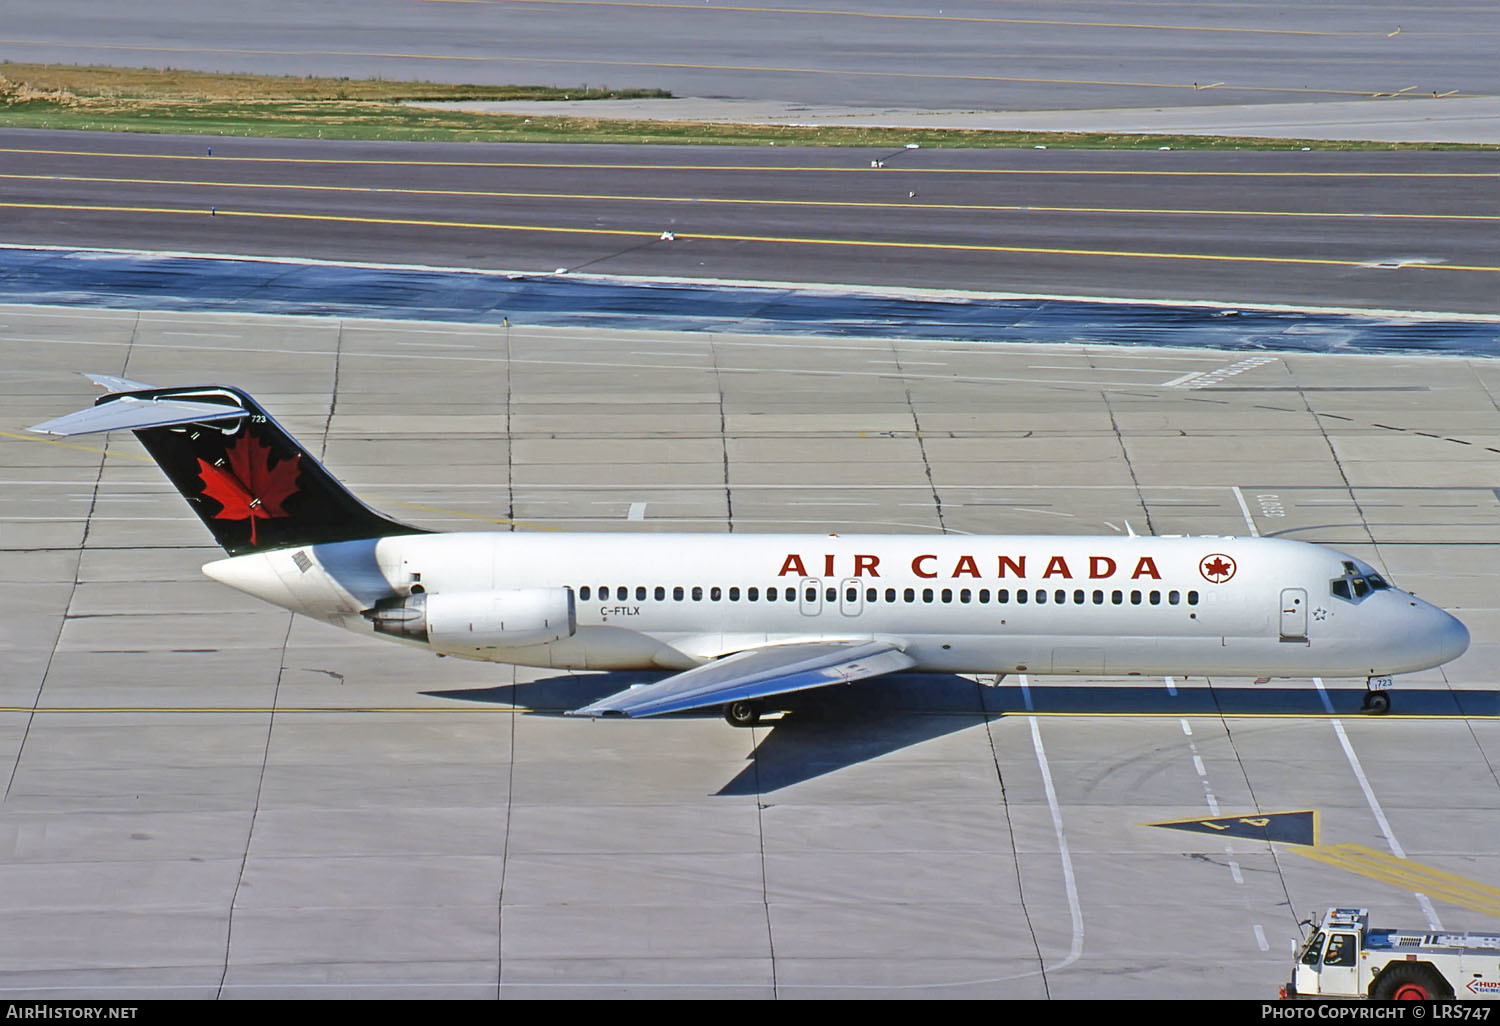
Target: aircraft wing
756,673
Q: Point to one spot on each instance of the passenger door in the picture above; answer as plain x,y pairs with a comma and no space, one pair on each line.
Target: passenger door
1293,614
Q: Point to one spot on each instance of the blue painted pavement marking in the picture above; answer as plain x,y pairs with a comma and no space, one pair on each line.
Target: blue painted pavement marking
92,278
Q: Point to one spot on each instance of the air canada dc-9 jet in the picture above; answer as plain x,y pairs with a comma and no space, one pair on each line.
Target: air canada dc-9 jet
745,620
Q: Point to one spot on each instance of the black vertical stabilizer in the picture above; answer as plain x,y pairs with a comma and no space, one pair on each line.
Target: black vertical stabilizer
249,481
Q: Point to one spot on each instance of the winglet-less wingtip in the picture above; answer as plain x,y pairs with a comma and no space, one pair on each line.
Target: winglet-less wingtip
111,383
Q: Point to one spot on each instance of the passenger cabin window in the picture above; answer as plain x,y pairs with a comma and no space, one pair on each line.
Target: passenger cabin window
583,593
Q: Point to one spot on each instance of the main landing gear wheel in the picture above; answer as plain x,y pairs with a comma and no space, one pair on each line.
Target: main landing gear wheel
1376,703
742,714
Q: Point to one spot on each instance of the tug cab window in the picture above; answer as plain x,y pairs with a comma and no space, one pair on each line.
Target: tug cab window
1340,950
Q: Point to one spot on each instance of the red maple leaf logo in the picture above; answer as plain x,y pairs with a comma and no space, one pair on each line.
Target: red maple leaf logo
246,485
1217,568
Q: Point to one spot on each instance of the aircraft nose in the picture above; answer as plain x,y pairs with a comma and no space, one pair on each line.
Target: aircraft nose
1452,637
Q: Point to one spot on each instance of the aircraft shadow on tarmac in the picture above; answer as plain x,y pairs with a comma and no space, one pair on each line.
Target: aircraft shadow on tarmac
828,729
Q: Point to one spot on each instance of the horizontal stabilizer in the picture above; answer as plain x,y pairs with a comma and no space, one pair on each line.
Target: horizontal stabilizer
756,673
130,413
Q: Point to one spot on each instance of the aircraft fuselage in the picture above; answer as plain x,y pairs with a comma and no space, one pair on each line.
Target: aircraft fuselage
1110,605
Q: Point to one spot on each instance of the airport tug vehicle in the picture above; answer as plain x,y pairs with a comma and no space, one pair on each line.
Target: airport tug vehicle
1344,958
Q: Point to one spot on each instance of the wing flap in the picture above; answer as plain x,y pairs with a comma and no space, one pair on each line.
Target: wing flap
756,673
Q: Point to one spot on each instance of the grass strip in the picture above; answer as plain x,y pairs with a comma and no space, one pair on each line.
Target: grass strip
199,103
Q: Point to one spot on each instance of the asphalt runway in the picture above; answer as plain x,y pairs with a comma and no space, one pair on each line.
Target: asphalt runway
1408,231
964,55
206,797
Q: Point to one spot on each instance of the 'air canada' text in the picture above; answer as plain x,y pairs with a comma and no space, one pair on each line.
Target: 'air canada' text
1092,568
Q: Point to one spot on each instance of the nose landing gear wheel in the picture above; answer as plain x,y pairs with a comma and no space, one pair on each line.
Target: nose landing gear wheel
742,714
1376,703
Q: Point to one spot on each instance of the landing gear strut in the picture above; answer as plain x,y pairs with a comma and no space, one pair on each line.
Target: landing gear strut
1377,700
742,714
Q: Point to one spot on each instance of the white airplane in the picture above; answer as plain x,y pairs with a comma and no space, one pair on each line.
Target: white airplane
748,618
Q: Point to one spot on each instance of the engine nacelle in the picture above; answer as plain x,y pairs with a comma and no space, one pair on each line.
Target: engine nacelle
464,621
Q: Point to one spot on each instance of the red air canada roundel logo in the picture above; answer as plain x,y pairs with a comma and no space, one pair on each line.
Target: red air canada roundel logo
246,485
1216,568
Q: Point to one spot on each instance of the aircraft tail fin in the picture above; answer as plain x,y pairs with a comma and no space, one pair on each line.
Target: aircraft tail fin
250,482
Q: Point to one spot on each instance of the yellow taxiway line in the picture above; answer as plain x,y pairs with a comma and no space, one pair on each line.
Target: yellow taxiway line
750,168
487,708
1435,883
730,200
723,237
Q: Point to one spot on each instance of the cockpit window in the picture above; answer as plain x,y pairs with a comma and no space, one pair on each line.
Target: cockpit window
1354,586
